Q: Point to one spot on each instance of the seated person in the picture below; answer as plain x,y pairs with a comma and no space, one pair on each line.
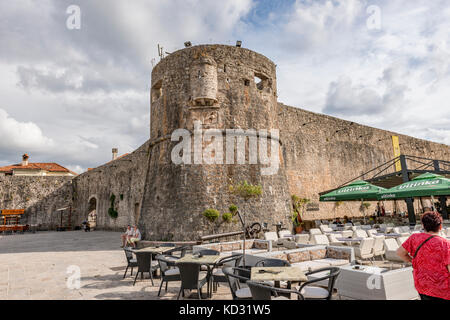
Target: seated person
136,237
337,222
348,220
86,226
126,235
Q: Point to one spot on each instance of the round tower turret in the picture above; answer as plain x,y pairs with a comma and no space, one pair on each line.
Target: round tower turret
197,89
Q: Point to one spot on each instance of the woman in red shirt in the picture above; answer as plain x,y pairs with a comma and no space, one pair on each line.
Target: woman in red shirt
430,257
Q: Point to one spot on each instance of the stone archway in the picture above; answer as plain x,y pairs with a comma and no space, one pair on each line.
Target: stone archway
92,212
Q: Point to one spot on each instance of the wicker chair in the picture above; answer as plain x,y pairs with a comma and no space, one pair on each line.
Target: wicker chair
317,293
169,272
217,275
192,278
145,263
263,291
272,263
131,262
235,277
182,251
208,252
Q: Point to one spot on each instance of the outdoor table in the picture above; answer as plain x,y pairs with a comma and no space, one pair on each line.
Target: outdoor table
277,274
350,239
190,258
204,259
153,250
390,235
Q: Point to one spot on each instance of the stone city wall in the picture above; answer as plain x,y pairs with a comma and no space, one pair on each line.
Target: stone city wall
124,178
223,87
40,196
318,158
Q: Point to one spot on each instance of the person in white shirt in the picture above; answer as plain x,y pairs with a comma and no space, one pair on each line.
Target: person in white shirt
135,237
126,236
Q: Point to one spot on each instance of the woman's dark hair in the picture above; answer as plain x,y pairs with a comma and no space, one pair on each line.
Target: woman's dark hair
431,221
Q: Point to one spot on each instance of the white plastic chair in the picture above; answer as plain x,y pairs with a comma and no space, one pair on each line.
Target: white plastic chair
371,232
400,240
391,247
285,234
314,231
347,233
320,239
302,238
365,249
378,247
325,228
359,233
334,241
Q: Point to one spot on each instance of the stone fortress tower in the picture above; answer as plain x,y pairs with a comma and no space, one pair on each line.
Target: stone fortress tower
216,87
221,87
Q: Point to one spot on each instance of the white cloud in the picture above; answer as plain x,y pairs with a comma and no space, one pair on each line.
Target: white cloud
87,90
15,135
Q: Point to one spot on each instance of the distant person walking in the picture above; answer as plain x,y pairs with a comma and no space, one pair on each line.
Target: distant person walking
126,235
430,257
135,237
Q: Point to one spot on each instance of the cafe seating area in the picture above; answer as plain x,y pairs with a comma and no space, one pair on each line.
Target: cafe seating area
318,264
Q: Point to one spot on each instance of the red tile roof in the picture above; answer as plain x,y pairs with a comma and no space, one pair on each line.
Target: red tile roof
52,167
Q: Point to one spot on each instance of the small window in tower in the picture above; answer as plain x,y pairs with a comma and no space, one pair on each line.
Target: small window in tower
246,82
224,68
199,74
157,91
261,81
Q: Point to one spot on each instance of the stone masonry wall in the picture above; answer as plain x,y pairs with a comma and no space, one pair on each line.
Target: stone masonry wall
185,89
318,158
223,87
124,178
40,196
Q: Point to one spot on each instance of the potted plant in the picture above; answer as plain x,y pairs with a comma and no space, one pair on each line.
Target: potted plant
297,222
298,205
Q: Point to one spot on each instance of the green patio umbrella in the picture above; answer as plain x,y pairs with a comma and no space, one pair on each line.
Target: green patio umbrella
356,191
425,185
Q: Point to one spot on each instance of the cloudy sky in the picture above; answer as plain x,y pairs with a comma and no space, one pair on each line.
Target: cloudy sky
70,95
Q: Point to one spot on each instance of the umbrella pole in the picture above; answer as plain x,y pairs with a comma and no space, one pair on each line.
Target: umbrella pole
432,203
243,249
364,211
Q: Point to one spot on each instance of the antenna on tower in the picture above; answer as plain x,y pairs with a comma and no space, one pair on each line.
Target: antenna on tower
160,52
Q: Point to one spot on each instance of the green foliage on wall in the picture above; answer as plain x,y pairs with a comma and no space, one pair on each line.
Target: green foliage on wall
246,190
111,211
233,209
211,215
227,217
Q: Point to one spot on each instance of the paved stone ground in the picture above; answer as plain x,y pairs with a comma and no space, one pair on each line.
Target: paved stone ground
35,266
